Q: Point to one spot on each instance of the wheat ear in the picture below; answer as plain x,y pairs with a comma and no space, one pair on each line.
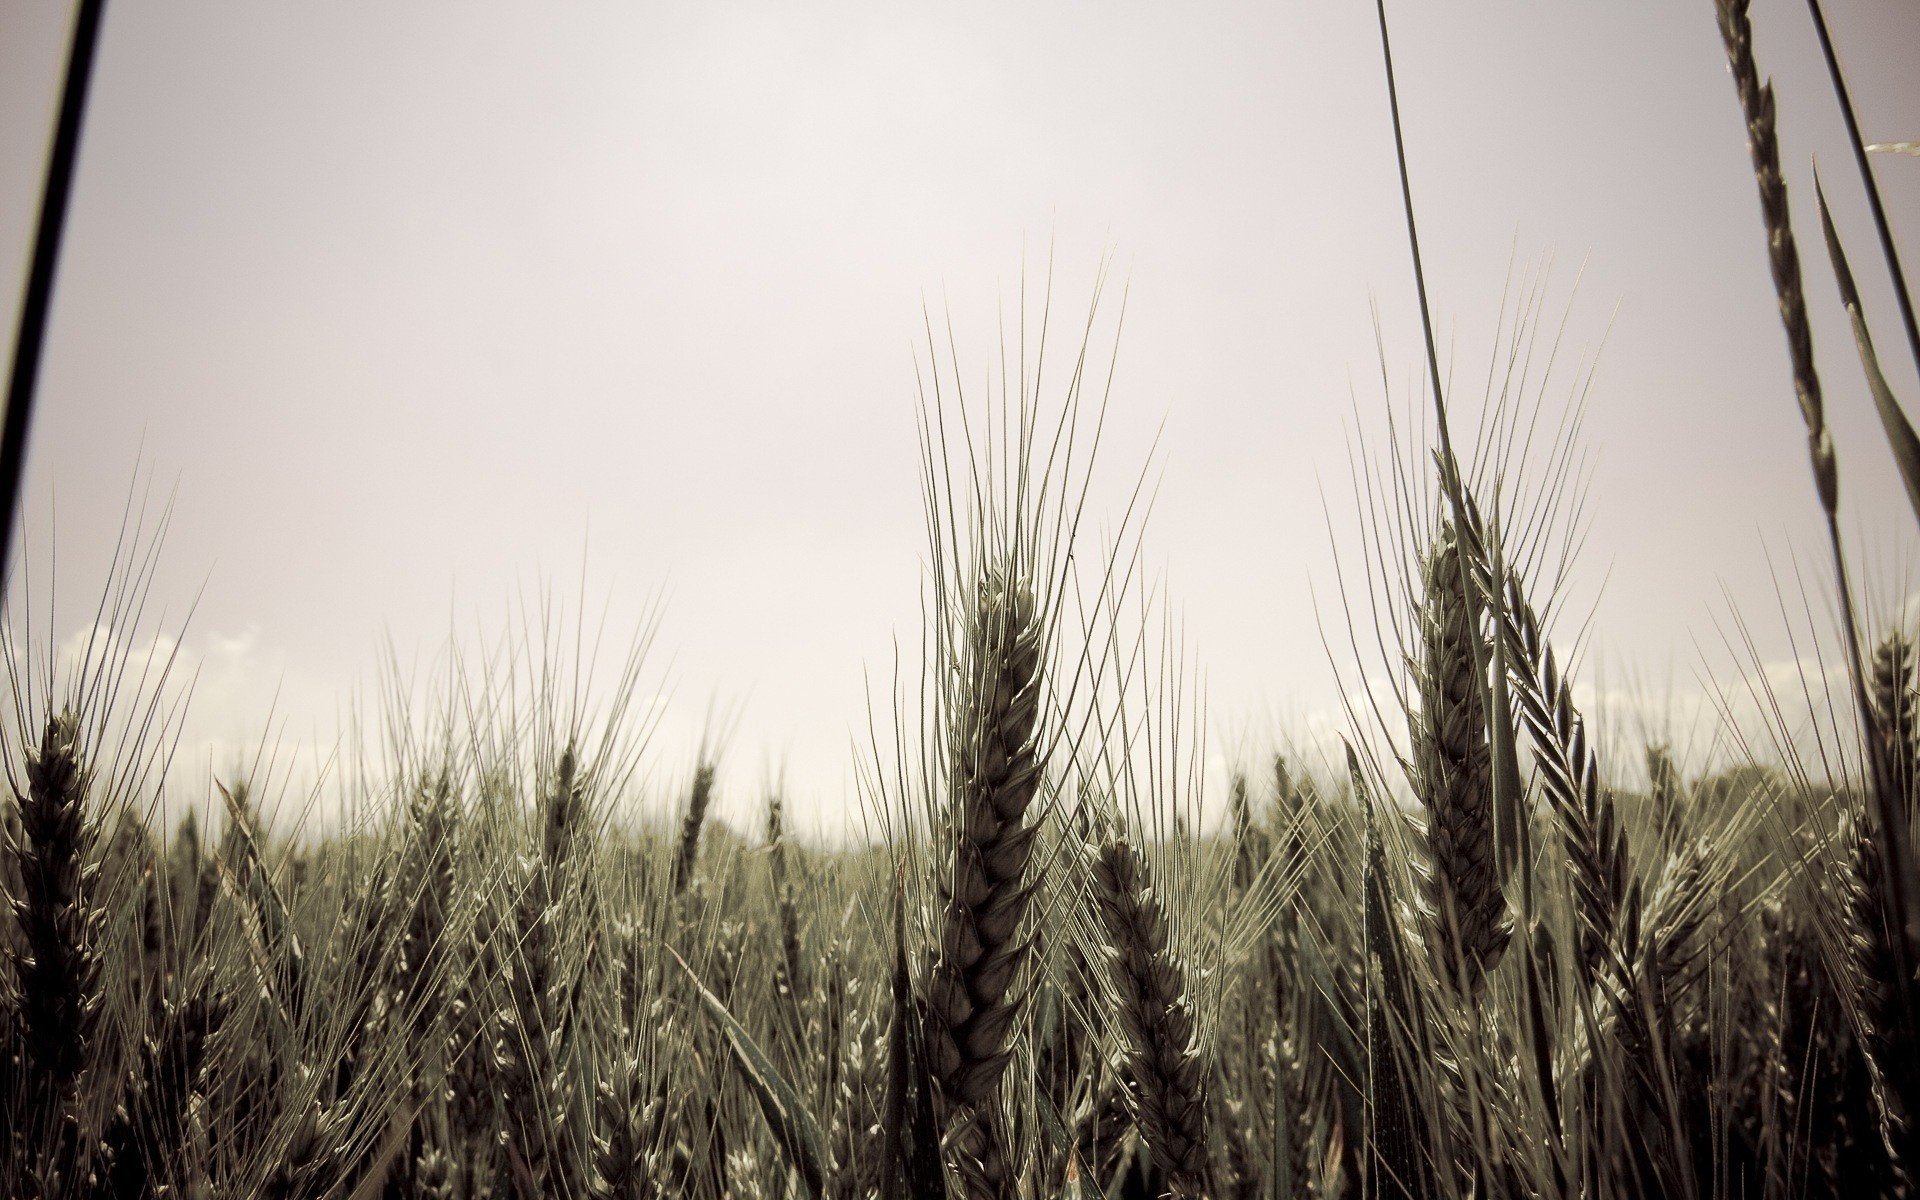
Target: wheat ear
1453,775
1898,706
1570,777
995,773
793,973
58,917
1167,1077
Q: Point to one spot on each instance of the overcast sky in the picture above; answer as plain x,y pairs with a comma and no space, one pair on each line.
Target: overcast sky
413,303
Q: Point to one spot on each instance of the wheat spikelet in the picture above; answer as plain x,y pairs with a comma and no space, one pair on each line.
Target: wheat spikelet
194,1171
687,856
1249,846
434,1174
1898,706
308,1165
563,813
150,1122
1664,793
191,886
627,1116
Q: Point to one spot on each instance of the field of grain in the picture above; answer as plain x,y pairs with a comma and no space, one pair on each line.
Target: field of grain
1480,951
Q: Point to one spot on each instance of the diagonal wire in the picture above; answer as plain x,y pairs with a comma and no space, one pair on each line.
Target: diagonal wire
32,334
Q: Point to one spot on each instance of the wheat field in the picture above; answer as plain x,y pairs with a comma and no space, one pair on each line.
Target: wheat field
1484,949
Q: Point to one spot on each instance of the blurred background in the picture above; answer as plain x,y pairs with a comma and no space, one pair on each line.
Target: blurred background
417,314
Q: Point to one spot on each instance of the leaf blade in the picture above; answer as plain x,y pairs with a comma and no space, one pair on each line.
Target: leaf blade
793,1126
1893,419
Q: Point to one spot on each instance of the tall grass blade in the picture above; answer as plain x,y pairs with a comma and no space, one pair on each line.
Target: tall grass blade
792,1125
1783,258
36,305
1902,298
1900,436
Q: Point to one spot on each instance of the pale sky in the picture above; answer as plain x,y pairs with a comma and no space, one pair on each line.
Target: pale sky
409,303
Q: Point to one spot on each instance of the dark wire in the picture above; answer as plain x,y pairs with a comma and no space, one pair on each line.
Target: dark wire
32,335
